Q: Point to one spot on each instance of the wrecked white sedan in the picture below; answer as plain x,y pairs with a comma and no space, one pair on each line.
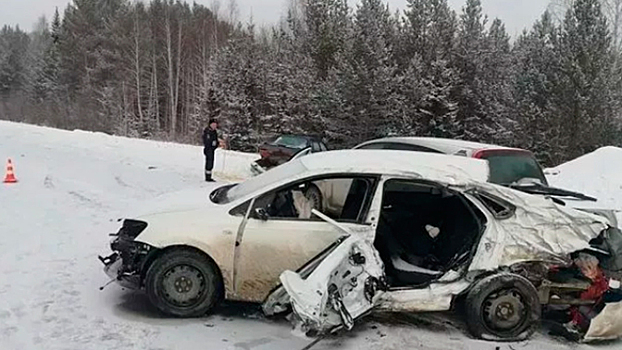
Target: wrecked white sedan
336,235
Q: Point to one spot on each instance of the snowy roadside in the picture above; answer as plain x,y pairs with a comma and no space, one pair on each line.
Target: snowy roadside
597,174
53,223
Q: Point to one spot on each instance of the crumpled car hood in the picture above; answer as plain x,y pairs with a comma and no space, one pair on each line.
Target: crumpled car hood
540,230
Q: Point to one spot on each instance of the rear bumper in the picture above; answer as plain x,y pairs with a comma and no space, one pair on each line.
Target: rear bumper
113,267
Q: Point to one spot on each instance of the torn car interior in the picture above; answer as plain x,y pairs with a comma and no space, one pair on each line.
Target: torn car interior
423,232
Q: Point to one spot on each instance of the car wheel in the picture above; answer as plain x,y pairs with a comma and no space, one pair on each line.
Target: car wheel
315,196
503,307
183,283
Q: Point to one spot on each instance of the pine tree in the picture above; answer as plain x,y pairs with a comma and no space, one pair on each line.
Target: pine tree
52,57
41,40
13,53
534,85
586,96
430,31
327,24
429,37
474,123
496,75
369,73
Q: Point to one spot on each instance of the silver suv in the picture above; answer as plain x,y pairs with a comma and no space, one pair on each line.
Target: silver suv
507,165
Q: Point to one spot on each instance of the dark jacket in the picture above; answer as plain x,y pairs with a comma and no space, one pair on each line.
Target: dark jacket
210,140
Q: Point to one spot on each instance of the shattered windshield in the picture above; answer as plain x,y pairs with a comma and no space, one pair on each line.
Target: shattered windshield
266,180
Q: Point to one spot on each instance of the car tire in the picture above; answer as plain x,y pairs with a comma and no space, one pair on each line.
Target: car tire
503,307
314,195
184,283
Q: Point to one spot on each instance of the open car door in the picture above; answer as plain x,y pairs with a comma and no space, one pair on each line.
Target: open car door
342,286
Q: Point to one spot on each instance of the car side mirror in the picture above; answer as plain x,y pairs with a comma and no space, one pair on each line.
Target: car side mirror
261,214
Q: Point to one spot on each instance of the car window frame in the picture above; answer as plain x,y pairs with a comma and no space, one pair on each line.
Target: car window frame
363,216
477,209
385,144
371,144
415,148
510,209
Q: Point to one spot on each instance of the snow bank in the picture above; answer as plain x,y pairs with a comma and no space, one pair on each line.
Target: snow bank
187,160
597,174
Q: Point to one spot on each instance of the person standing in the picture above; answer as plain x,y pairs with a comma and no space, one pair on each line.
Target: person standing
210,143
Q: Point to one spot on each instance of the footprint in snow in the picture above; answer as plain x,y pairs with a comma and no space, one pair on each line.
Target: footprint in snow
48,182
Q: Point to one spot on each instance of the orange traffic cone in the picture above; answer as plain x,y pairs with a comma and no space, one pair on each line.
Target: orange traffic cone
10,175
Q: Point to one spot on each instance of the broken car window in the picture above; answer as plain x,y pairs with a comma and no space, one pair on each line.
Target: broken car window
342,199
424,230
266,180
241,209
499,208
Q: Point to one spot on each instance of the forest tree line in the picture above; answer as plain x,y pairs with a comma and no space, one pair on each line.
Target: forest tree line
161,69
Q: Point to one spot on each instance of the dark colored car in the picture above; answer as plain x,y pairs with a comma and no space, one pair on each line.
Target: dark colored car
284,147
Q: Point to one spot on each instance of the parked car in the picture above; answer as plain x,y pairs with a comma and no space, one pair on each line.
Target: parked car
285,147
415,232
512,167
507,165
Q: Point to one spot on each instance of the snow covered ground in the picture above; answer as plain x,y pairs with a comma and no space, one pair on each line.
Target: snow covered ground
54,222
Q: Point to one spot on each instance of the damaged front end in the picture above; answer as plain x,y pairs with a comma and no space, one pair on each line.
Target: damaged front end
125,264
582,300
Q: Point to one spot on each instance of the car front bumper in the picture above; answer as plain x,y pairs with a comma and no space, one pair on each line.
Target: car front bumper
113,267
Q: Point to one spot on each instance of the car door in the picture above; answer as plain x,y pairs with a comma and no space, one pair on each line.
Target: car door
267,246
340,289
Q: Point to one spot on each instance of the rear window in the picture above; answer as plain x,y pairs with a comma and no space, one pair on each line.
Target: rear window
508,168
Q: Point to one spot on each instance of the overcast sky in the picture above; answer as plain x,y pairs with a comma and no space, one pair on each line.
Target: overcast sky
516,14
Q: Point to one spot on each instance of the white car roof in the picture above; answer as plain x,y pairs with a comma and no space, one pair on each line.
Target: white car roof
430,166
447,146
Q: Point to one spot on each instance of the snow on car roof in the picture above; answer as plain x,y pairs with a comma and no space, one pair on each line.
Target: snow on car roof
435,167
448,146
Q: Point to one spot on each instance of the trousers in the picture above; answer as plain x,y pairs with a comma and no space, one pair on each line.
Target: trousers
209,165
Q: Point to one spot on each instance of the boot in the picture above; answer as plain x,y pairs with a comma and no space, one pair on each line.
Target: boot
208,176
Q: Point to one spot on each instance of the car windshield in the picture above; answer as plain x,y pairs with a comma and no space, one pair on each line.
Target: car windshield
506,169
291,141
288,170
